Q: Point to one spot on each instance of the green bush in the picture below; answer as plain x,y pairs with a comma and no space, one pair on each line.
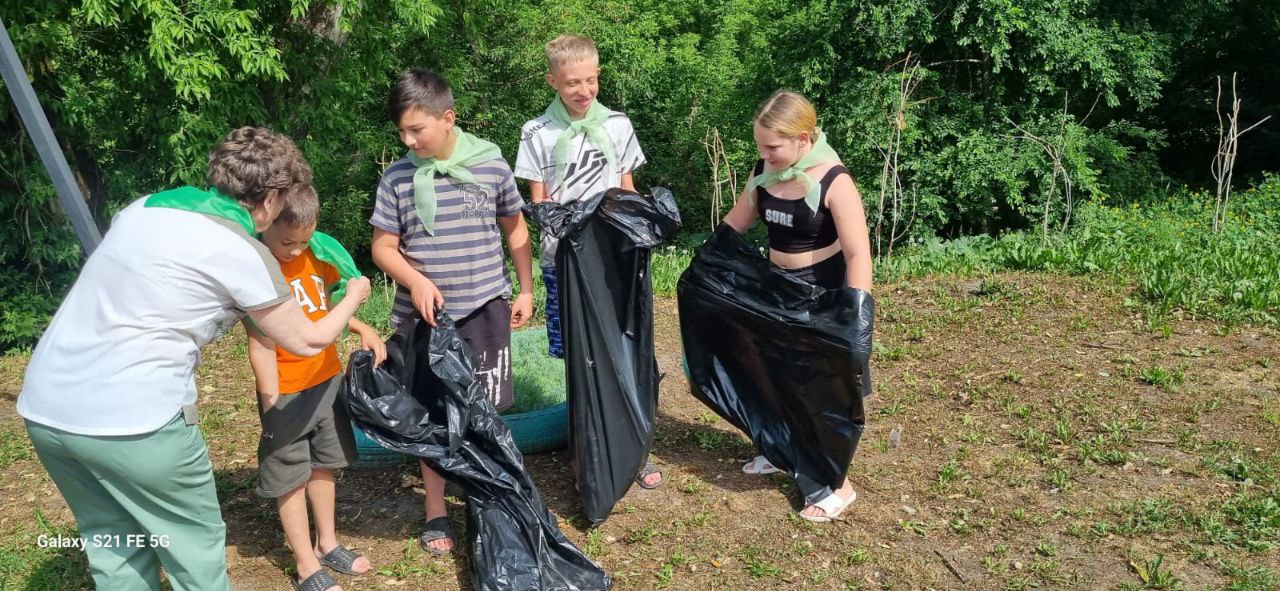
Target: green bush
1167,248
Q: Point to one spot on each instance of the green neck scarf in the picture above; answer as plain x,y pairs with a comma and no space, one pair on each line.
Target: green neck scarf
821,153
327,249
468,151
592,124
209,202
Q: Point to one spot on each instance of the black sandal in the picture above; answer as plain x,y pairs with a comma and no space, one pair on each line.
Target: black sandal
647,471
340,559
439,528
318,581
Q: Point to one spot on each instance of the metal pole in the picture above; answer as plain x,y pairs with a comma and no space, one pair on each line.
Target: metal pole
15,77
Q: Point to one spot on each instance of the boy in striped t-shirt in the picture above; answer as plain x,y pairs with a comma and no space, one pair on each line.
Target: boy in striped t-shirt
436,222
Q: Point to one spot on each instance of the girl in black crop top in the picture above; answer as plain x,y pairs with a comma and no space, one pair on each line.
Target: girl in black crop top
818,236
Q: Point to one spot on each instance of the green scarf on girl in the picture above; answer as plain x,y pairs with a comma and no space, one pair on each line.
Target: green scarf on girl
821,153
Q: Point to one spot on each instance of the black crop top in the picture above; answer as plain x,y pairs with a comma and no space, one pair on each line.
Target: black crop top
793,227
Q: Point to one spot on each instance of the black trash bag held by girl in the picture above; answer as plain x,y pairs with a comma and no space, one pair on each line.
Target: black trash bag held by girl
781,359
606,316
424,400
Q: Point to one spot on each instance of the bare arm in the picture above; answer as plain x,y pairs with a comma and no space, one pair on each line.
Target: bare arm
537,192
289,327
262,358
744,211
522,257
851,227
386,255
369,340
628,183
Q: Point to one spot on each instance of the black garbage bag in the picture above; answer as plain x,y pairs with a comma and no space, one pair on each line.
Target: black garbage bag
423,400
779,358
606,316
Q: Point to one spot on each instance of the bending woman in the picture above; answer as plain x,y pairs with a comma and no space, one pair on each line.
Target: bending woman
109,395
817,228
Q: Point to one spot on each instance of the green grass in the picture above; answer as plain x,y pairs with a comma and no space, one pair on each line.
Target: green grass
1168,249
25,565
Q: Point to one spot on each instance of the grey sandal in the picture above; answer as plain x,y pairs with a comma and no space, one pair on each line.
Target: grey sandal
341,559
439,528
647,471
318,581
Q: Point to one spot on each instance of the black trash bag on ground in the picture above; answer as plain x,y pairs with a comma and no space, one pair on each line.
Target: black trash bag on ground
781,359
606,316
423,400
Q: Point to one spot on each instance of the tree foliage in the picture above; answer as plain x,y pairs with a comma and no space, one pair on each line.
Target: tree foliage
139,90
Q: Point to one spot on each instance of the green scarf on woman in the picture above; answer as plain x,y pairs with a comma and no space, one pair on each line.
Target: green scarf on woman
325,247
591,124
209,202
821,153
468,151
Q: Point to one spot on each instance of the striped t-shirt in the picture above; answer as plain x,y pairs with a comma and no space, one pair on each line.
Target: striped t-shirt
464,256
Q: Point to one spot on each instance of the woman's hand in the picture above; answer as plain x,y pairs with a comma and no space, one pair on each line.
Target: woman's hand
359,287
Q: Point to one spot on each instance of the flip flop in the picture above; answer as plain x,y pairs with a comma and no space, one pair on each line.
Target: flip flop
647,471
759,465
832,506
439,528
318,581
340,559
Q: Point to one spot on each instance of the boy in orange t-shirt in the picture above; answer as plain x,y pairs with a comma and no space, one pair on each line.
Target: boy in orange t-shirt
306,433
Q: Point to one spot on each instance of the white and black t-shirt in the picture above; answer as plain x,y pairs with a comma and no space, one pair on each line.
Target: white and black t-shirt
586,172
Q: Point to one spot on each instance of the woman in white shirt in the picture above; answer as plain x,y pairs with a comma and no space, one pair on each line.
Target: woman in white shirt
109,395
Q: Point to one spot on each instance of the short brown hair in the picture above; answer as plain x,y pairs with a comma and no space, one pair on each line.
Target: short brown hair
419,89
254,160
301,208
567,49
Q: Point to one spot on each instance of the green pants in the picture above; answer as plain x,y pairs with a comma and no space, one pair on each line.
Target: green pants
141,502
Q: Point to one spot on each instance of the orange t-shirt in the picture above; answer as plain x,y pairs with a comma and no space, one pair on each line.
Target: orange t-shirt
309,278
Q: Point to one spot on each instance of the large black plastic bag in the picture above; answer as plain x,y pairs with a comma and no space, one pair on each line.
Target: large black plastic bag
423,400
606,316
781,359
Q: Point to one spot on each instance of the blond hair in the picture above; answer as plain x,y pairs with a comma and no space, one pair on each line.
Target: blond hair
789,114
567,49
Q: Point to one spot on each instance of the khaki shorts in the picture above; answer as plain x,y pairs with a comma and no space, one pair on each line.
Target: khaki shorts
309,429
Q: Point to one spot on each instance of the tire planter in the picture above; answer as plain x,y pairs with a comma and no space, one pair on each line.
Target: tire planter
535,431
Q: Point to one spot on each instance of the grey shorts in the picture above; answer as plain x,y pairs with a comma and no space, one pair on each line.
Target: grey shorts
302,431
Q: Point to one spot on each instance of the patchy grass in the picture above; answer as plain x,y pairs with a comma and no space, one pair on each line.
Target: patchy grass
1028,431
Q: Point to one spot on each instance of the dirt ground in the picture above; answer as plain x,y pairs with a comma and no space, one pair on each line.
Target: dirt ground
1027,431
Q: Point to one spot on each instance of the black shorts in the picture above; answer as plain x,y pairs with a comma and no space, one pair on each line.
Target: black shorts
487,333
827,274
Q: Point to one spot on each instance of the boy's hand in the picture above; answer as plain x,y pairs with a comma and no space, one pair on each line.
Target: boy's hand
426,298
359,287
371,342
521,310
